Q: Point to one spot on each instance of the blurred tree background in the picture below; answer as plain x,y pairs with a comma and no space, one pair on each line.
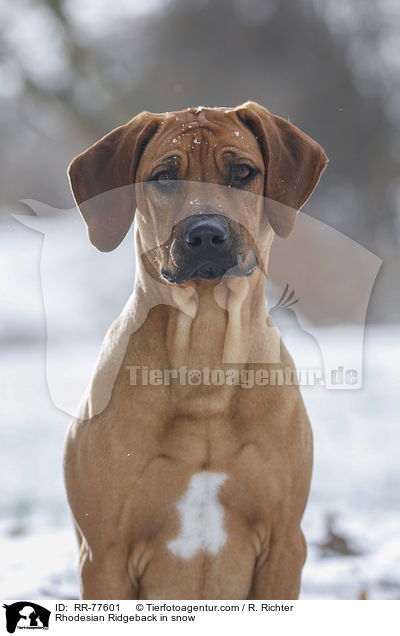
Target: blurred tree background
71,70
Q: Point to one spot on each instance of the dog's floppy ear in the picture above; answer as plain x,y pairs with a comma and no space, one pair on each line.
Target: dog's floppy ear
293,164
102,180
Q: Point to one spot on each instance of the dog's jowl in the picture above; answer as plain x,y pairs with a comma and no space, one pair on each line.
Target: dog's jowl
183,483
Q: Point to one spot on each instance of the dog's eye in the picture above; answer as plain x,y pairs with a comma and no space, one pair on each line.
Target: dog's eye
164,177
242,174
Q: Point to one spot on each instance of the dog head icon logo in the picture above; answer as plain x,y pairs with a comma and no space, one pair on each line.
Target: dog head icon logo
26,615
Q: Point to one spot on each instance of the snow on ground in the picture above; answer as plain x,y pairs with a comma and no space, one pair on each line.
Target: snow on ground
352,521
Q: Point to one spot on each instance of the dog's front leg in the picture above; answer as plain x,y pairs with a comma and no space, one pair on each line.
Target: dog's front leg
105,576
278,576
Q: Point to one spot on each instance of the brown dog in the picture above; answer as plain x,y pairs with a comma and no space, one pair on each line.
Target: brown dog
183,485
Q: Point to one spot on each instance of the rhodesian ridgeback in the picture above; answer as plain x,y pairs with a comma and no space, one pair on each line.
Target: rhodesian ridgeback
187,468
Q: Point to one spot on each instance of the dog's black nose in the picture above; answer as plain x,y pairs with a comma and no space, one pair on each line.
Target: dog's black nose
207,232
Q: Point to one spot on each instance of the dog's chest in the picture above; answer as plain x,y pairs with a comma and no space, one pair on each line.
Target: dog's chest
197,490
189,485
186,513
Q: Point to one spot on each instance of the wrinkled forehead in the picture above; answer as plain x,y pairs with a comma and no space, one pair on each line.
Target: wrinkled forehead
209,130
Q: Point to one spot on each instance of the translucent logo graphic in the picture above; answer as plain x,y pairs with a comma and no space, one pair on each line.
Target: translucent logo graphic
209,253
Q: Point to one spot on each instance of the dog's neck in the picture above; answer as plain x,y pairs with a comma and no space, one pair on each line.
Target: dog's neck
209,323
199,324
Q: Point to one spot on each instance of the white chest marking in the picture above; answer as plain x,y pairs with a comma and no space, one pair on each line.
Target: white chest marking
202,517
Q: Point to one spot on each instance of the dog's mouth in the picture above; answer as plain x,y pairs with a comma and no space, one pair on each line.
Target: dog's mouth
206,271
209,270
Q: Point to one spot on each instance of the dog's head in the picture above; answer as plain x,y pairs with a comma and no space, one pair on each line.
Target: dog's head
210,184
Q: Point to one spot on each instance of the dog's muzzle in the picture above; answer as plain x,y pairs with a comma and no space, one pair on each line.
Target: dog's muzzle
205,249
